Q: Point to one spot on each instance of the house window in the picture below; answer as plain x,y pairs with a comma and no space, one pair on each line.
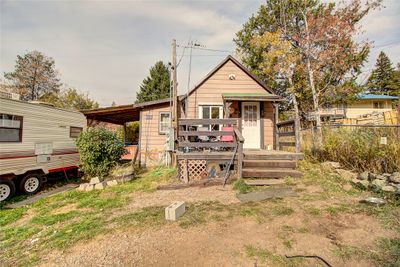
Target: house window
10,128
74,132
378,105
164,122
211,112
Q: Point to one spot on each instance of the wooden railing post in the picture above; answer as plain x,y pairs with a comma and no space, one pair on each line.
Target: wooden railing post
240,141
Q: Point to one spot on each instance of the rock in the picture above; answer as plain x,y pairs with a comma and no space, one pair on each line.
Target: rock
330,165
100,186
388,188
372,176
387,175
373,200
347,175
363,184
112,183
378,184
381,177
395,177
95,180
363,176
90,187
82,187
347,187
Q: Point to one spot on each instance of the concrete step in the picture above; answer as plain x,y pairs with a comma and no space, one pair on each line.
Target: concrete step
272,156
289,164
270,173
264,181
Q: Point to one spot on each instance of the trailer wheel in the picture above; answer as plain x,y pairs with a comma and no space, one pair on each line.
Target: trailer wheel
31,183
7,189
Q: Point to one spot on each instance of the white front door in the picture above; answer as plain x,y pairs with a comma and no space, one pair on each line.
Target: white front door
251,124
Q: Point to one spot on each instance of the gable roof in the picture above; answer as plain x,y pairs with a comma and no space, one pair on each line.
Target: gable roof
364,96
222,63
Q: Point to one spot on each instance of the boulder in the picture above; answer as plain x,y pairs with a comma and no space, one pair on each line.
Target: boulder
100,186
363,184
112,183
372,176
82,187
388,188
330,165
378,183
381,177
387,175
347,175
373,200
90,187
363,176
94,180
395,178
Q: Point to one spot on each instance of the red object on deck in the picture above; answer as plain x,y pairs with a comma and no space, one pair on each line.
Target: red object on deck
227,138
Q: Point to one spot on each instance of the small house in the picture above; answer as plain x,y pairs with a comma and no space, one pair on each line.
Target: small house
230,111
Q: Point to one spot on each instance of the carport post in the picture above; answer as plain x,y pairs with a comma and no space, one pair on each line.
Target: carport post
125,133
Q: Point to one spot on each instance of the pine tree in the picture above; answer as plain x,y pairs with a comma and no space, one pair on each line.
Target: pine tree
34,75
156,85
383,78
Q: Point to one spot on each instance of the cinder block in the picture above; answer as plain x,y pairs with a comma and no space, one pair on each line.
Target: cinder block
90,187
175,210
82,187
112,183
100,186
94,180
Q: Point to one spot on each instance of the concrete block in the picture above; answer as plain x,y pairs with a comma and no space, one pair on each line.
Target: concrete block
100,186
82,187
112,183
90,187
95,180
175,210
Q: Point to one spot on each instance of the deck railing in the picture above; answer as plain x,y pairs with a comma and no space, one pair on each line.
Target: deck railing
192,139
285,129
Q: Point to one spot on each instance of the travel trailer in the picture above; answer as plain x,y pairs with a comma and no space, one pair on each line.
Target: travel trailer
36,140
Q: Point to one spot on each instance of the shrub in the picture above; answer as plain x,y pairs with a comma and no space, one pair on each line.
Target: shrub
359,148
99,151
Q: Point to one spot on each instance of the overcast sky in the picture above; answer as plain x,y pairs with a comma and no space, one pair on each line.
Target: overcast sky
107,47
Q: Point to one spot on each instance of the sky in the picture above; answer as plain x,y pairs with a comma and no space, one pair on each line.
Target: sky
106,48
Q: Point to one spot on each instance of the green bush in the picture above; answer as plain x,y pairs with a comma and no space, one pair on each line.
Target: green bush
132,132
99,151
358,148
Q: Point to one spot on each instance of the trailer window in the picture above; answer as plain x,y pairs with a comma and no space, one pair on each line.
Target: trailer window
74,132
10,128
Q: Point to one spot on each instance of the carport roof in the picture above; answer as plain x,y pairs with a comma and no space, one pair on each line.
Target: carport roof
121,114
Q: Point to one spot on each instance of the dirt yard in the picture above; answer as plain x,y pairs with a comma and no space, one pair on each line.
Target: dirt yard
324,219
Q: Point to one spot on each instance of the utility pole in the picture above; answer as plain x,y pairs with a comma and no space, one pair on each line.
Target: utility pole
175,104
174,87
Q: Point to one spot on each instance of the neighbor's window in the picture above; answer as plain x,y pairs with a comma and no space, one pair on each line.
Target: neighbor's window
74,132
10,128
378,105
211,112
164,122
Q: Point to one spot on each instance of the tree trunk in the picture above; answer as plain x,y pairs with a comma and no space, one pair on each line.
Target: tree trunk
297,127
310,71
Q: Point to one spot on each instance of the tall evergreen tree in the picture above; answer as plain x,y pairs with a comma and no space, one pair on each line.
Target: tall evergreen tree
156,85
34,75
383,78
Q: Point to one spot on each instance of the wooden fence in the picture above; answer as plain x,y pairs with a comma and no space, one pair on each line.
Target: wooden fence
285,134
376,118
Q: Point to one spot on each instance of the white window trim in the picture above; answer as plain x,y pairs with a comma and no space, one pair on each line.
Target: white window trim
159,122
221,109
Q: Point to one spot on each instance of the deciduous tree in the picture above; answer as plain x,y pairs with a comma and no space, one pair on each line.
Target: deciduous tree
70,99
34,75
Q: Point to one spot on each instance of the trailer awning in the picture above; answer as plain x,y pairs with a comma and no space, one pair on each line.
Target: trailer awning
251,97
120,114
